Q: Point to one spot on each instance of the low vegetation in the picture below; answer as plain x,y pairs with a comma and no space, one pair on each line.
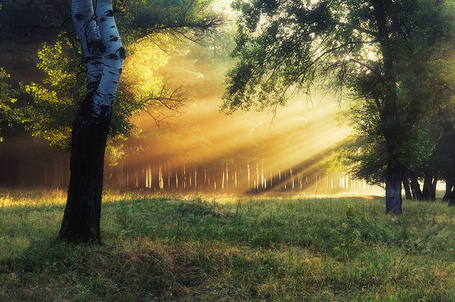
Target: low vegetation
216,248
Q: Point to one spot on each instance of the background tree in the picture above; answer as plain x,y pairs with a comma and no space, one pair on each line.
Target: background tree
424,68
370,47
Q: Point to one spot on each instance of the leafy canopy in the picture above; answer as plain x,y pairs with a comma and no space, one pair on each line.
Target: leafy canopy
392,59
7,100
149,29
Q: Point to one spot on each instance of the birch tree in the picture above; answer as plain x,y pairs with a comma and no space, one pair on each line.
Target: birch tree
102,47
103,55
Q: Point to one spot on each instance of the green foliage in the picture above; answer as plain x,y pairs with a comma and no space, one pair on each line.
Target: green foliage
424,70
141,18
215,248
395,76
54,103
287,45
7,100
150,30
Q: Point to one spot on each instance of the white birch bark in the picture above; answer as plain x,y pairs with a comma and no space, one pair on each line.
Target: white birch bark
112,57
83,13
98,35
103,51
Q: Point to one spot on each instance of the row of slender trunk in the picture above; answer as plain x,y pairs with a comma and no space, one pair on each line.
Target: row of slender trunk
413,190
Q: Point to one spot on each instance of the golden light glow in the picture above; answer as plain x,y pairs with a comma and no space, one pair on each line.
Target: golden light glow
252,150
146,57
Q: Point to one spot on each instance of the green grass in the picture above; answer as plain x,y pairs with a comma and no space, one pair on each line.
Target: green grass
201,248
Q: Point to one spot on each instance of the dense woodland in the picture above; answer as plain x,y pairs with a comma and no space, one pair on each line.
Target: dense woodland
28,161
136,103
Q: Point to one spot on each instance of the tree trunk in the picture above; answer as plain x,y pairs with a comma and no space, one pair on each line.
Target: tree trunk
450,193
393,132
429,187
393,192
415,187
407,188
449,185
452,198
81,221
434,184
449,133
98,35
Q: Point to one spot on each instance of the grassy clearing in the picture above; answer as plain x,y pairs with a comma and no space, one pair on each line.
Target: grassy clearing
225,249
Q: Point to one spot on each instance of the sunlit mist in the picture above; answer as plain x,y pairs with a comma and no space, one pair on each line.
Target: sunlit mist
201,148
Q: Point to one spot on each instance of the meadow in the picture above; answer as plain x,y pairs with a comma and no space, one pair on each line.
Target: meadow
226,248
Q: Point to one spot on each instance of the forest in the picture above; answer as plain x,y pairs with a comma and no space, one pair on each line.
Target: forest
230,118
175,123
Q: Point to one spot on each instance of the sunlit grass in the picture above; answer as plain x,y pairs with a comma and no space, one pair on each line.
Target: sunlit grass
225,248
31,198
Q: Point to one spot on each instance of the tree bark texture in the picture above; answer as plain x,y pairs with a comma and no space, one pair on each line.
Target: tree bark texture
100,41
393,192
81,221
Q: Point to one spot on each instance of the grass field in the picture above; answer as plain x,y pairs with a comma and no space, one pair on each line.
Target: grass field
218,248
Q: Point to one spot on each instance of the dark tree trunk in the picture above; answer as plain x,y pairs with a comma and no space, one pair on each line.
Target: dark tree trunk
415,187
449,133
450,193
452,198
393,192
407,188
81,220
434,185
392,130
429,186
449,186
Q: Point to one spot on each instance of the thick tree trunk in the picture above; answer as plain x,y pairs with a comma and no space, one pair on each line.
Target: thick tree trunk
100,41
450,193
452,198
429,186
81,221
393,192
